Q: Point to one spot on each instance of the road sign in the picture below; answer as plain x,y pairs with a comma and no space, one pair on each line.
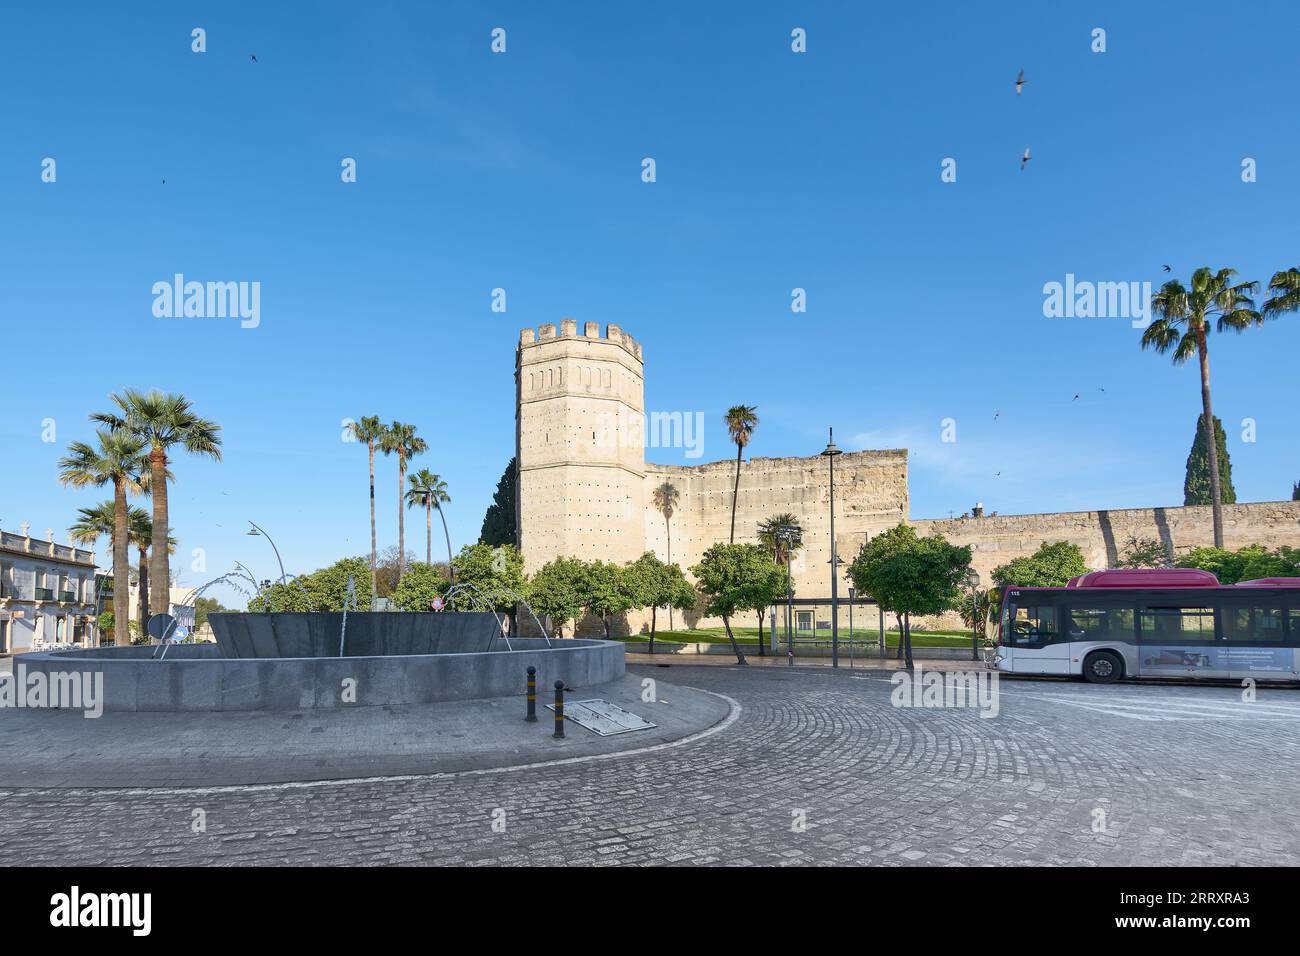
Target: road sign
436,604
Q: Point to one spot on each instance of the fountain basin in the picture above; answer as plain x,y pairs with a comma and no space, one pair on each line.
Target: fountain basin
368,634
199,677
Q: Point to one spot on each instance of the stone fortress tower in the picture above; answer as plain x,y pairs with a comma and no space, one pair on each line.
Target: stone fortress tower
580,404
586,490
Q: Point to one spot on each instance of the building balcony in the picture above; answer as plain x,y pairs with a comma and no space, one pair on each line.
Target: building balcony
67,597
44,594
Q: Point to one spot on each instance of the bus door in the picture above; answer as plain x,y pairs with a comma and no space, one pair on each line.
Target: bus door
1177,639
1254,639
1034,638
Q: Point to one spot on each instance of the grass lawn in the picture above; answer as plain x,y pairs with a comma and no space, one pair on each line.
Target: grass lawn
749,636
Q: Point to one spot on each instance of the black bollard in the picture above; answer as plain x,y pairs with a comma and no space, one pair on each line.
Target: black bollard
532,696
559,709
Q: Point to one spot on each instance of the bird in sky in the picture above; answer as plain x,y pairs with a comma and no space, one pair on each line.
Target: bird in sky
1020,81
1076,397
1167,269
253,57
997,414
1024,159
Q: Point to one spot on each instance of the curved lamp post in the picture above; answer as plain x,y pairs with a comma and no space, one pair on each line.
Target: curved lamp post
255,532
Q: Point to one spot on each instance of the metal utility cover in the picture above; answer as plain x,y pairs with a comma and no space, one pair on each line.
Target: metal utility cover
603,718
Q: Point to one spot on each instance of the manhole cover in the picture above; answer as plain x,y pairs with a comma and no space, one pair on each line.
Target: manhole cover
603,718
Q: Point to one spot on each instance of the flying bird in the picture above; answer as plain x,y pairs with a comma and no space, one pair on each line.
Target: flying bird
1076,397
253,57
1020,81
1167,269
1024,159
997,414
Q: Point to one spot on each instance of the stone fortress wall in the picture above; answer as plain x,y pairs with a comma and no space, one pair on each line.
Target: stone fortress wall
585,489
1103,536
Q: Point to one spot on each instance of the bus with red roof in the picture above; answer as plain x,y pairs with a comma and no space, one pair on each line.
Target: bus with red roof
1165,623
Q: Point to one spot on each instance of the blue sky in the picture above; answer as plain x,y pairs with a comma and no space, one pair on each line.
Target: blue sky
522,171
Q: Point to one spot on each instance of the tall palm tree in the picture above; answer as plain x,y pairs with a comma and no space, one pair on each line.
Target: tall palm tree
400,438
1285,287
665,502
430,491
161,420
371,431
116,459
741,421
1182,326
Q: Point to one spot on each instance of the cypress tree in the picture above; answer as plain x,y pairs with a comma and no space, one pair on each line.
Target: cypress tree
1196,486
499,521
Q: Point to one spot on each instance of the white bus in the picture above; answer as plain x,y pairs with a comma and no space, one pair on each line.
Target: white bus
1174,623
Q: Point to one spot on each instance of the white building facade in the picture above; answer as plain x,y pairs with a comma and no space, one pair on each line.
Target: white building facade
47,593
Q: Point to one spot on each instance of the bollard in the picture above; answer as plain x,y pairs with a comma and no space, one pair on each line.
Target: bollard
532,696
559,709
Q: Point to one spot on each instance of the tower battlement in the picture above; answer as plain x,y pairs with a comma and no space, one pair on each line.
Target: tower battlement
590,331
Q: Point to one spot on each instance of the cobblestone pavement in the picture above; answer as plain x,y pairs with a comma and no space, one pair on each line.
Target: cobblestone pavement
1177,775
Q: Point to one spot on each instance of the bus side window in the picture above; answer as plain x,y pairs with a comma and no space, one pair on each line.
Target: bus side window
1033,626
1099,624
1086,624
1252,624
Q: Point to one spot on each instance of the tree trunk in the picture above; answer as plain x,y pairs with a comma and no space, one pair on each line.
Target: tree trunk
374,550
401,516
451,572
1211,440
428,534
740,657
143,574
907,639
159,572
653,610
898,655
761,652
121,561
735,493
604,620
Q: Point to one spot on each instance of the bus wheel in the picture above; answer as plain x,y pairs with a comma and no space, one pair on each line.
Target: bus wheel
1103,667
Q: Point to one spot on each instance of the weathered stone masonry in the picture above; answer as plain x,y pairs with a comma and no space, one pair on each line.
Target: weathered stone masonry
585,489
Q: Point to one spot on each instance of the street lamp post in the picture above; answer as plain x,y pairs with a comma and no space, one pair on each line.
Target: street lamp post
973,582
830,453
788,534
259,531
852,594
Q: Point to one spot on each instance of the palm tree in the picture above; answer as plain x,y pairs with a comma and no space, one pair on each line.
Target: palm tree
1285,287
665,501
1182,326
97,522
401,438
161,420
741,421
116,460
772,541
371,431
140,532
430,491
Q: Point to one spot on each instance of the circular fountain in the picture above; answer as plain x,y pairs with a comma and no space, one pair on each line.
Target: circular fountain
291,661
